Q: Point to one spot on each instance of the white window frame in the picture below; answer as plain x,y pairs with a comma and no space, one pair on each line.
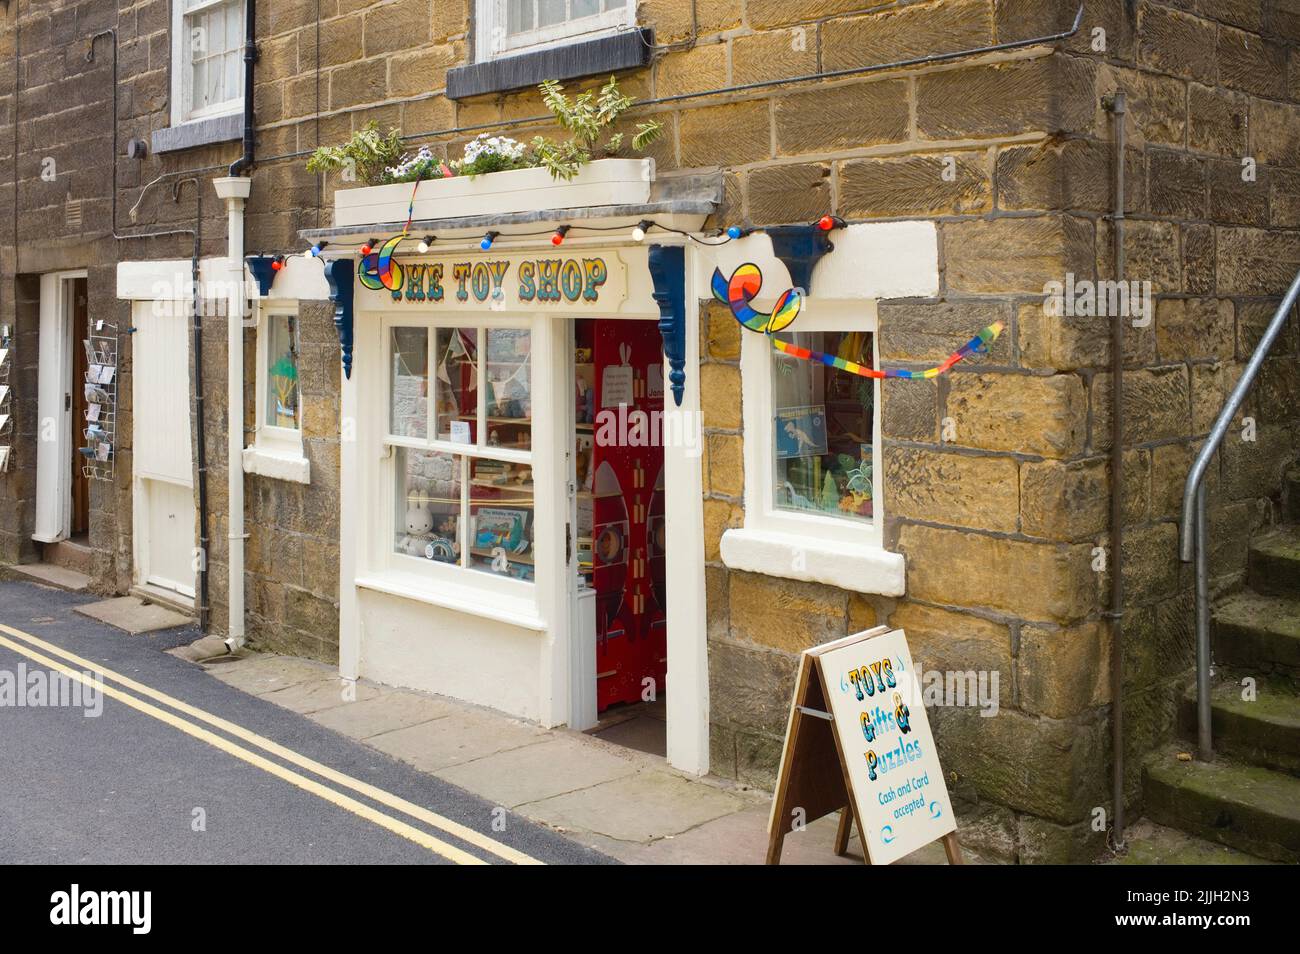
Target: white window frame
182,77
844,552
490,22
432,575
276,451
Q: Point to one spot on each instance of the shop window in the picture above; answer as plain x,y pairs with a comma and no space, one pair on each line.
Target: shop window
510,26
823,428
207,59
462,459
281,385
813,487
277,449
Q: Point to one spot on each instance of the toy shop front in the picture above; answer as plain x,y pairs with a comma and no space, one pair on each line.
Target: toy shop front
522,491
516,473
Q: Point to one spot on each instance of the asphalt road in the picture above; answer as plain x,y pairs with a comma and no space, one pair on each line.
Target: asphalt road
137,787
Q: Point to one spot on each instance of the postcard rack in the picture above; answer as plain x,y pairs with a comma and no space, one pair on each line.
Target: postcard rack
99,428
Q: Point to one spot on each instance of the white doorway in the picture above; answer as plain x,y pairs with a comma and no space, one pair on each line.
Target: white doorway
164,523
62,493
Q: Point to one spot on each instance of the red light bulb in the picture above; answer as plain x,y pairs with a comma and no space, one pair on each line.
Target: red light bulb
826,223
558,237
365,250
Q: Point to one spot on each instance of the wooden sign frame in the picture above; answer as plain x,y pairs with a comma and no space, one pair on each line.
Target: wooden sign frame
814,772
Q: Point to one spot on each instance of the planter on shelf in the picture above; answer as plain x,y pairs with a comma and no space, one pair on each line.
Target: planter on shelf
603,182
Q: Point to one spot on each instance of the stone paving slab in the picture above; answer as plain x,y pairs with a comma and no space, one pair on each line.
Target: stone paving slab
636,808
386,712
460,737
130,614
330,693
542,770
52,575
262,674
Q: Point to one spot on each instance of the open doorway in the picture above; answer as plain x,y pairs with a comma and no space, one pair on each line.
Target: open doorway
618,506
63,489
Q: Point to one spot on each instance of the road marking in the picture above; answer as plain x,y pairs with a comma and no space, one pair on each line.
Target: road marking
388,799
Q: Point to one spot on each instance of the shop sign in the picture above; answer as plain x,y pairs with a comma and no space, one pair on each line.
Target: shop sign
500,282
859,740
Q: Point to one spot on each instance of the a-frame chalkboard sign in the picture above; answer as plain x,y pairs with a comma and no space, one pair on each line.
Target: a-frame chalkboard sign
858,742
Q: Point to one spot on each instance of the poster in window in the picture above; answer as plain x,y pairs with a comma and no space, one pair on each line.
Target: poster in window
497,527
800,431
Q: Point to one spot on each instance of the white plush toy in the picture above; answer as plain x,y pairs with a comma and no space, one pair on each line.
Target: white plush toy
419,530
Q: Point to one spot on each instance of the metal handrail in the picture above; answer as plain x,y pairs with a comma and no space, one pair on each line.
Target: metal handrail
1194,525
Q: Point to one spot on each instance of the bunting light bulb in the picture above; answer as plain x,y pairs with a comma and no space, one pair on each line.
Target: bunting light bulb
423,247
488,239
642,227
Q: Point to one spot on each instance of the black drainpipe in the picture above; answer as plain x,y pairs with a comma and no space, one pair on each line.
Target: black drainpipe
245,162
1118,107
200,444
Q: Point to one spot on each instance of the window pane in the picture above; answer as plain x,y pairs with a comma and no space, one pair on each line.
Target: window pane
823,428
408,400
427,521
509,388
550,12
501,518
282,371
519,16
455,357
583,8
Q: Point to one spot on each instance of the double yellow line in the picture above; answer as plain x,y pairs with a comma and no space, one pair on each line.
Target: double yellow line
395,825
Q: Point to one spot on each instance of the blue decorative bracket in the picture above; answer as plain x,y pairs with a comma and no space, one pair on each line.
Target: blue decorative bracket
800,248
668,273
263,273
338,272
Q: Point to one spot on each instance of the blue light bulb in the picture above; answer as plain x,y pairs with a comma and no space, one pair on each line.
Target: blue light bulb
733,232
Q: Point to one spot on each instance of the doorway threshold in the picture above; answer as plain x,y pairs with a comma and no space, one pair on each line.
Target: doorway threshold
168,599
642,727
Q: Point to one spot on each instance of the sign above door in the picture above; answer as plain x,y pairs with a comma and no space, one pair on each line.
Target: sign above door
499,282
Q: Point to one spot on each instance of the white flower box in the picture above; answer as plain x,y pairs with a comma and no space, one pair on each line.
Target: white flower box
603,182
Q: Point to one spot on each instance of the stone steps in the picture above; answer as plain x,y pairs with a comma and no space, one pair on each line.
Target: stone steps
1265,731
1273,568
1258,633
69,555
1248,797
1247,807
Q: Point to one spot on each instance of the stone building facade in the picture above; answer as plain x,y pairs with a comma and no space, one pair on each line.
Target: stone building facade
995,478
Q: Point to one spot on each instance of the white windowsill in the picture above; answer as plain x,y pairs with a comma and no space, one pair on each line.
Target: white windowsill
467,600
277,465
863,569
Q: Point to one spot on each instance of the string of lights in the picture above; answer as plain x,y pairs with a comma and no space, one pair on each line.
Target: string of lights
638,233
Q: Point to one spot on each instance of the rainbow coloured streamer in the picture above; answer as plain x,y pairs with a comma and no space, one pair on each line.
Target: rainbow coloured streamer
977,345
742,288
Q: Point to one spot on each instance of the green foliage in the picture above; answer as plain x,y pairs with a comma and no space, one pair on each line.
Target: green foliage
587,118
365,157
